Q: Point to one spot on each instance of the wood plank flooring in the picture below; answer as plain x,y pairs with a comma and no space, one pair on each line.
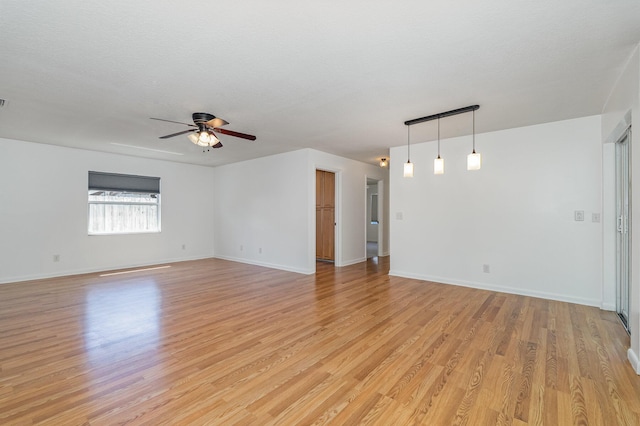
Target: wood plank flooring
213,342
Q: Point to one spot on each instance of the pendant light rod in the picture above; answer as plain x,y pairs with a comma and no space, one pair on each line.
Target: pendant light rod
474,131
442,115
438,137
408,145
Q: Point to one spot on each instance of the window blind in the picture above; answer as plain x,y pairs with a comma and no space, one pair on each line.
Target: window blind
119,182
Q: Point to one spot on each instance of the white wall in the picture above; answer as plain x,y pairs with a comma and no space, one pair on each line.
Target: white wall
268,205
261,212
621,110
516,214
43,211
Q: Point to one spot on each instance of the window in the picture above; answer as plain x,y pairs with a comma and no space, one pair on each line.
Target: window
123,204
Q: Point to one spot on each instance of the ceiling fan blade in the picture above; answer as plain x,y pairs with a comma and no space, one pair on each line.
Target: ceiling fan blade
236,134
170,121
178,134
218,145
216,122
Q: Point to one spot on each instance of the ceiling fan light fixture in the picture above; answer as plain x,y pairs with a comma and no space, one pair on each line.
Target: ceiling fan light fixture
203,138
203,130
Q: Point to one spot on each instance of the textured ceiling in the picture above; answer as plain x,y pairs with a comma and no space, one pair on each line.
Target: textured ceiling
340,77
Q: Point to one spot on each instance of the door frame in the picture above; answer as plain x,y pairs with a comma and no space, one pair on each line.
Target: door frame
609,231
381,216
623,239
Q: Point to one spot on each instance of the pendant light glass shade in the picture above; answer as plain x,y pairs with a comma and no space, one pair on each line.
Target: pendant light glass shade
438,166
203,139
438,163
474,161
193,137
408,169
408,166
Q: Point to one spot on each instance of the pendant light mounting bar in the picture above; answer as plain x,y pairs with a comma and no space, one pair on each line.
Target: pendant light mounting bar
442,115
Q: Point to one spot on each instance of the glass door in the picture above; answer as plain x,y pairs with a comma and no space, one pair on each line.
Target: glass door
623,224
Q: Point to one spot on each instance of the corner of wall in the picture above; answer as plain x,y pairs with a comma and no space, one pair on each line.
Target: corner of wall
608,307
633,359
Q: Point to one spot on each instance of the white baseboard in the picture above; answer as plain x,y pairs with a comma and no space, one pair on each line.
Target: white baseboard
608,306
267,265
633,359
352,261
501,289
107,268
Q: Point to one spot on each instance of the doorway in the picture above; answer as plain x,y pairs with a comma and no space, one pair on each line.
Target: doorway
372,219
623,226
325,215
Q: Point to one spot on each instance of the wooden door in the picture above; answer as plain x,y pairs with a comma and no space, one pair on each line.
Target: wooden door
325,215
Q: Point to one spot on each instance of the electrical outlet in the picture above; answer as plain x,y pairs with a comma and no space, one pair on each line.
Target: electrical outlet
578,215
56,258
184,246
241,247
595,217
486,268
260,250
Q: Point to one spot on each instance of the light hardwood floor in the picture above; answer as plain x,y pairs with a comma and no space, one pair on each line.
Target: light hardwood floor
216,342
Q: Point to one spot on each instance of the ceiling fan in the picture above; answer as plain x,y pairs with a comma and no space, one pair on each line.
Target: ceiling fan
203,129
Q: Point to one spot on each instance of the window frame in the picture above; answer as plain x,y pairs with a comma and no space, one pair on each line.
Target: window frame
124,184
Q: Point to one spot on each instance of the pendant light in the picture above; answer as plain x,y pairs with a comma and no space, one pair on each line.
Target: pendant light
408,166
438,163
474,160
383,162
